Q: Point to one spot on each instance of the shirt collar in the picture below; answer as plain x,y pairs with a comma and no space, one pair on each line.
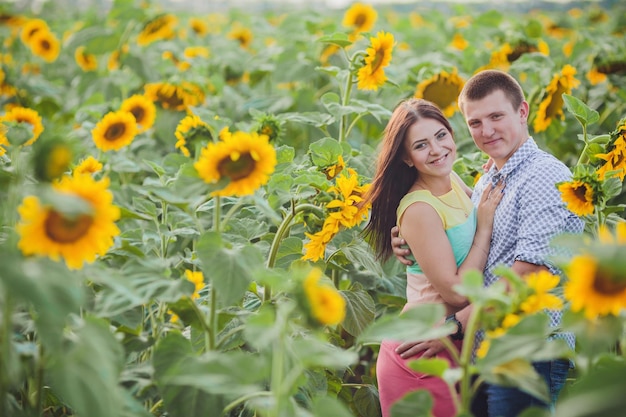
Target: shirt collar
521,154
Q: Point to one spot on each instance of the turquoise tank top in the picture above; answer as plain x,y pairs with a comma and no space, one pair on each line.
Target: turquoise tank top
452,208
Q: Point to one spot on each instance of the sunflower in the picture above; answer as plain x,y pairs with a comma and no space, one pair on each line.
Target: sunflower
160,28
595,77
142,109
344,211
594,288
4,143
78,236
616,156
86,61
174,97
115,130
190,129
349,196
113,62
443,89
45,44
541,283
360,17
89,165
372,74
458,42
25,115
199,26
552,105
578,196
196,51
242,35
245,159
197,278
268,125
326,305
30,28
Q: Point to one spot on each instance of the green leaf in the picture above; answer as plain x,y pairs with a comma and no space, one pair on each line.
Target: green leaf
316,119
360,311
225,373
429,366
290,250
580,110
172,356
367,402
414,404
528,340
134,285
328,406
521,374
312,353
599,392
229,269
337,38
87,373
416,324
48,288
324,152
261,330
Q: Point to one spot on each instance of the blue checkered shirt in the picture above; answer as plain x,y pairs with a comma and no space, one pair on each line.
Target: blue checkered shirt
530,214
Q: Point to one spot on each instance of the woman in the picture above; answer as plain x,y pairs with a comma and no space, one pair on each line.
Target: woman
415,187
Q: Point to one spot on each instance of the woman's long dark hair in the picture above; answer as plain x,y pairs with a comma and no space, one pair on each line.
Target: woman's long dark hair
393,177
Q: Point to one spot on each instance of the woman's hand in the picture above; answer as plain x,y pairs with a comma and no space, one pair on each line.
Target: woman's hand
429,347
489,200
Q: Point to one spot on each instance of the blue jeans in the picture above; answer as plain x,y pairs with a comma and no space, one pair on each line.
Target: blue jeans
509,402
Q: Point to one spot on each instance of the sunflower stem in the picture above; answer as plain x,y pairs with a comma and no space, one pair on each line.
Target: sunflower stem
344,102
466,359
5,345
213,309
278,237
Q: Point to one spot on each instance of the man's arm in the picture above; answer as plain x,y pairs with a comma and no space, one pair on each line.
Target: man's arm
397,244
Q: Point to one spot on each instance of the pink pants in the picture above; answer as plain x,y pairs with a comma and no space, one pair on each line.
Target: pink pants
395,379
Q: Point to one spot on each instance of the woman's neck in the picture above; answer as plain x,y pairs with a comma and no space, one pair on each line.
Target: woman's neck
436,185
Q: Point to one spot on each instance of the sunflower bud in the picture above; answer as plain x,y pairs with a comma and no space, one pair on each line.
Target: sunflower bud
51,158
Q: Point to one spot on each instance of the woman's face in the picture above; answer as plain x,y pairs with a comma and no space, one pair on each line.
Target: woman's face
430,148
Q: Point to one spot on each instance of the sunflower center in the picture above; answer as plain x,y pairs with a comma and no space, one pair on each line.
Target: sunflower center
441,93
172,101
237,169
360,20
378,59
66,230
115,131
45,45
580,192
556,104
139,113
606,283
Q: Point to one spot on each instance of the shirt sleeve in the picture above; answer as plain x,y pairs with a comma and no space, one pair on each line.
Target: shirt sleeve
543,215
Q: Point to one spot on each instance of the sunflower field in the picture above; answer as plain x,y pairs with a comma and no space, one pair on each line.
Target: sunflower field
180,197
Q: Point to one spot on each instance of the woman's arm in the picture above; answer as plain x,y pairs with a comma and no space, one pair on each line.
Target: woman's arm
423,230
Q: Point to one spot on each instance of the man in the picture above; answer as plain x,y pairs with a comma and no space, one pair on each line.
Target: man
529,216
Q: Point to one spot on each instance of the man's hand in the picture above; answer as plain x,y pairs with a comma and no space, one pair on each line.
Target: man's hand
396,244
429,347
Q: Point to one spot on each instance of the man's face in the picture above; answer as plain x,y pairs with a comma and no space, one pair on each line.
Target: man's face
496,127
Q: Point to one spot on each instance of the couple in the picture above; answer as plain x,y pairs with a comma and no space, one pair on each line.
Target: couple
509,218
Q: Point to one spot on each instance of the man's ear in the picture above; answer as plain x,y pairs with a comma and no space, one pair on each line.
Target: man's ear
523,111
